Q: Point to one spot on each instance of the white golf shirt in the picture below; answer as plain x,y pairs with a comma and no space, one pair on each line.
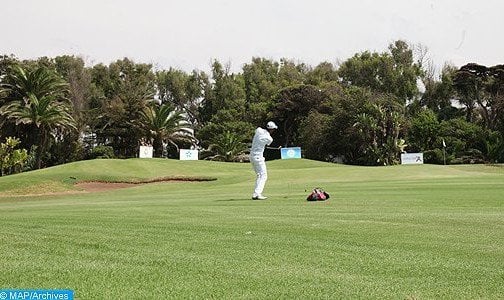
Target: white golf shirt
261,139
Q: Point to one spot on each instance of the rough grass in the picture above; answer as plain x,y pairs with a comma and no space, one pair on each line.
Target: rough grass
403,232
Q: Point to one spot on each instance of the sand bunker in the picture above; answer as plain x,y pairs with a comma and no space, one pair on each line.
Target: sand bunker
93,186
103,186
100,186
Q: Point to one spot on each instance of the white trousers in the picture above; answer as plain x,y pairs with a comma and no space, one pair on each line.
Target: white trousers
259,166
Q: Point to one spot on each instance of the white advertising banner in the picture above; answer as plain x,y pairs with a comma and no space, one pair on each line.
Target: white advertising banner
145,152
186,154
412,158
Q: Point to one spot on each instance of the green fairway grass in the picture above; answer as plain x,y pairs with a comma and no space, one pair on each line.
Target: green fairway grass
398,232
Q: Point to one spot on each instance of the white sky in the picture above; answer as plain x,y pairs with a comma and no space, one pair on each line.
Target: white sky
188,34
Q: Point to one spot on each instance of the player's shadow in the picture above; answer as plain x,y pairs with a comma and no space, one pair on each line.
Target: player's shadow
234,200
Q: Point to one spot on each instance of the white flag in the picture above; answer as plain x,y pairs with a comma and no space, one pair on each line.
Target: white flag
444,145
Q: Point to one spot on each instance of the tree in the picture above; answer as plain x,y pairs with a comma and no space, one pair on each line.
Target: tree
392,73
439,93
126,87
71,146
79,84
322,74
261,83
184,91
263,79
380,129
6,64
320,133
46,113
495,147
313,135
481,90
162,124
341,139
361,127
291,73
465,141
495,89
11,159
424,130
227,146
468,81
38,98
223,106
293,104
405,71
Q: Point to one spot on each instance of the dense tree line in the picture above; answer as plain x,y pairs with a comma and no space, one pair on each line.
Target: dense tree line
366,110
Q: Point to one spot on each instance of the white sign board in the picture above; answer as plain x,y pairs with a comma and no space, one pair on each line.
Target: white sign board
186,154
145,152
412,158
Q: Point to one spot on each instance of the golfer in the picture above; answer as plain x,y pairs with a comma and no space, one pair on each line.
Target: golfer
262,138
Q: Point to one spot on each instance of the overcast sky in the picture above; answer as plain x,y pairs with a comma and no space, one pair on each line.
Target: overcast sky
188,34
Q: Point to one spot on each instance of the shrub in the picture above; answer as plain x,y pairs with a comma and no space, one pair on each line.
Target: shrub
434,156
102,152
11,159
472,156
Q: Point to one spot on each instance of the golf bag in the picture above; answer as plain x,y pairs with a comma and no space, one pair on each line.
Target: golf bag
317,194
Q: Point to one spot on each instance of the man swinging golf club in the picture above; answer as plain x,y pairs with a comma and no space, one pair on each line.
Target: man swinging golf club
262,138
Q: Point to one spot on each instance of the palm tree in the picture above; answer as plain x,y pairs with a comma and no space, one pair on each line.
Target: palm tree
367,126
38,98
45,113
379,130
39,82
163,124
227,147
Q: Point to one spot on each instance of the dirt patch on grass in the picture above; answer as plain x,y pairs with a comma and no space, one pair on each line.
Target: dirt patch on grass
103,186
100,186
52,188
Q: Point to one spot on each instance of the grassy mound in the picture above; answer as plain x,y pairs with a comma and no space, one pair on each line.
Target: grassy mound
61,179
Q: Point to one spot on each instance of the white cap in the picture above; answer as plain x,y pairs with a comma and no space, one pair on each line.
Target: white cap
271,125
